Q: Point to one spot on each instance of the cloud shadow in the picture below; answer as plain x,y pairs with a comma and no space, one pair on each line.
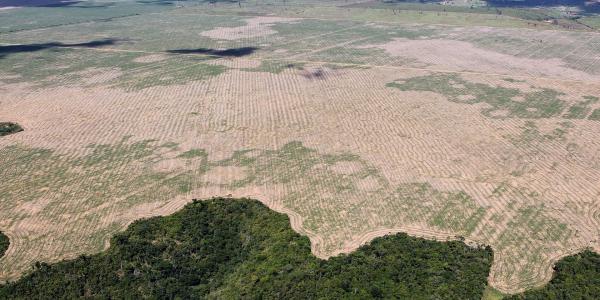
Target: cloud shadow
24,48
232,52
38,3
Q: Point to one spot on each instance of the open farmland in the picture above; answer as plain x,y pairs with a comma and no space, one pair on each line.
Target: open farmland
355,122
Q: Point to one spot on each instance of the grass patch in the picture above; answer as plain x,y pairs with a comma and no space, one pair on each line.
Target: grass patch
339,195
65,66
508,79
340,176
455,211
531,135
169,72
492,294
275,67
347,55
193,153
580,109
595,115
502,101
227,248
530,224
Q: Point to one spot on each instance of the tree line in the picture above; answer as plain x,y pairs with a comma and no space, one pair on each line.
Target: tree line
228,249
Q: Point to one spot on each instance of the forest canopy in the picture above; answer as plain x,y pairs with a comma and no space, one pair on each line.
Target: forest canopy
228,248
4,243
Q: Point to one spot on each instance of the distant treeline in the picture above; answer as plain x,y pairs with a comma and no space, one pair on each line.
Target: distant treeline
228,249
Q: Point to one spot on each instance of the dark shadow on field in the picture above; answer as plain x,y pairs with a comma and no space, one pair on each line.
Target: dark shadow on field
24,48
54,3
174,2
37,3
158,2
314,74
232,52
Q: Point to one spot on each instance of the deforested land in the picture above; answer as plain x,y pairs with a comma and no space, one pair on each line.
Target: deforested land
468,121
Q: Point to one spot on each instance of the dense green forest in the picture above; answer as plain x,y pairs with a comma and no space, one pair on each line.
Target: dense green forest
4,242
227,248
575,277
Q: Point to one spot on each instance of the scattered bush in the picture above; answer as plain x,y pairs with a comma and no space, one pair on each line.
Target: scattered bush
7,128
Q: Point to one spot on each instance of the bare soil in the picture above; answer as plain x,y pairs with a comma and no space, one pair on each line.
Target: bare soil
256,27
463,56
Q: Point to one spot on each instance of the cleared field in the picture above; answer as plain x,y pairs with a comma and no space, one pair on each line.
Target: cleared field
354,127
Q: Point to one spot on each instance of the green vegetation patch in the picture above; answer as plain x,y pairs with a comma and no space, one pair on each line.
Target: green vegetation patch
492,294
275,67
580,109
591,21
4,243
531,134
575,277
445,210
348,55
7,128
334,193
169,72
531,223
62,175
504,102
227,249
193,153
508,79
88,67
77,12
595,115
339,196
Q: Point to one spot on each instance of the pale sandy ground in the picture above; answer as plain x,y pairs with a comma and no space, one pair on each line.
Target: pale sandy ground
406,137
93,76
151,58
255,27
455,55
